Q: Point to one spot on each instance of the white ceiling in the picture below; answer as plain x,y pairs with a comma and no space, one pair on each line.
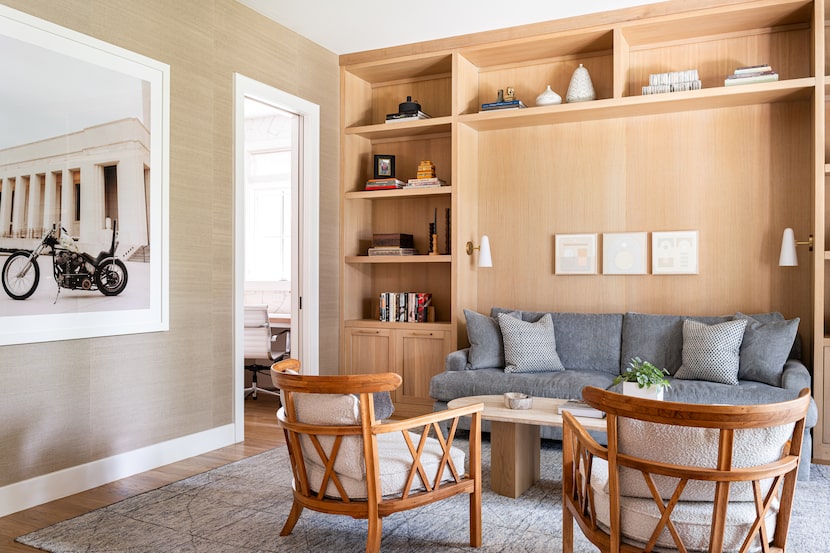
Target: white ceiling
346,26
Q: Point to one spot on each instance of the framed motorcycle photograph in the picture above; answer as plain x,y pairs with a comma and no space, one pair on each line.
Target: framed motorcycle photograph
84,178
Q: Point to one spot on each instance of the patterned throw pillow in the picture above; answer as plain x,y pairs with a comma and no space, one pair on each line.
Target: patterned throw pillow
529,347
713,352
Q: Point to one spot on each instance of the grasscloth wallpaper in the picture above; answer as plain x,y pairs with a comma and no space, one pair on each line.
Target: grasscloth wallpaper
67,403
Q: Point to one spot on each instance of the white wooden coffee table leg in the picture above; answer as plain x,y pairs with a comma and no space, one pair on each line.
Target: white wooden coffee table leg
514,462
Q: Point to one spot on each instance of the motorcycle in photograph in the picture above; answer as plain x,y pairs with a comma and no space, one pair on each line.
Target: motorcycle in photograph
73,269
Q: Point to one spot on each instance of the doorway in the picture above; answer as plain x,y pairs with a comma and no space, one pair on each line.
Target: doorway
276,192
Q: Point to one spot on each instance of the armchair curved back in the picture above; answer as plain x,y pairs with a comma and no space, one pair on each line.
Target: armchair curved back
346,461
678,476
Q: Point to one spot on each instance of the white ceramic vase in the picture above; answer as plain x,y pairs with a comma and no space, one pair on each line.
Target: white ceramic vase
548,98
650,392
581,88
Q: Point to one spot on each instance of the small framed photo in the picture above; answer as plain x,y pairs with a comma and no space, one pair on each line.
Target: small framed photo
674,253
384,167
576,254
624,253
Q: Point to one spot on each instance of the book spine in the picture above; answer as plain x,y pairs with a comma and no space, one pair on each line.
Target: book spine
401,318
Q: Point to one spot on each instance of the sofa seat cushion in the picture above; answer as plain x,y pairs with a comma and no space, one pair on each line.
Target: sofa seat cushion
692,519
394,461
565,384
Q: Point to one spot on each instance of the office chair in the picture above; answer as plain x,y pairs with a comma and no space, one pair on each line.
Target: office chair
259,343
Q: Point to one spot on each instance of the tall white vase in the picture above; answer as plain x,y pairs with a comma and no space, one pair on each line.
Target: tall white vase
581,88
650,392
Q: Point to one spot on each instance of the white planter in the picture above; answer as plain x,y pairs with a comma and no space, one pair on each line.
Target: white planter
651,392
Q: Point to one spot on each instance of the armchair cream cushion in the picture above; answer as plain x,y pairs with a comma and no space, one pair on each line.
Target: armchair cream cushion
394,457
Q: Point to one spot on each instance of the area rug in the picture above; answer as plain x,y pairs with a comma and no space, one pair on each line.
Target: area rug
241,507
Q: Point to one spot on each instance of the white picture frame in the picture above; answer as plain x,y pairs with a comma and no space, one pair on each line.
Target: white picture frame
674,253
625,253
61,88
576,254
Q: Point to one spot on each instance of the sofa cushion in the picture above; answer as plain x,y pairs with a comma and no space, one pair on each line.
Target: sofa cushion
711,352
577,336
529,347
486,342
567,384
655,338
765,348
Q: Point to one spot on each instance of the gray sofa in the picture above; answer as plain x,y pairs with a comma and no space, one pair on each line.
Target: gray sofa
595,348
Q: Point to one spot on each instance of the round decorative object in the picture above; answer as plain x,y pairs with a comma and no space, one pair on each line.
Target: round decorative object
548,98
517,400
581,88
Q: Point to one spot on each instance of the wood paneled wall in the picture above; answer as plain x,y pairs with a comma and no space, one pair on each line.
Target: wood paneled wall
67,403
739,176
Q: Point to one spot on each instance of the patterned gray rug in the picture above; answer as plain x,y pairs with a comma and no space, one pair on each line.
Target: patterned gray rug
241,507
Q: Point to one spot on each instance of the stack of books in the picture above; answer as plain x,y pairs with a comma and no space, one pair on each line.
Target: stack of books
398,117
425,183
384,184
751,74
580,409
672,81
512,104
392,244
404,307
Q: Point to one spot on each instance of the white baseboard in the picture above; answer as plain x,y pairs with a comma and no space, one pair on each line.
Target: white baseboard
42,489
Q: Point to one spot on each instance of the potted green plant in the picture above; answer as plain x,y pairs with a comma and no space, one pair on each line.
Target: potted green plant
643,379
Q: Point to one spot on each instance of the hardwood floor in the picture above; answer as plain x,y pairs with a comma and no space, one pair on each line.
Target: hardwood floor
261,434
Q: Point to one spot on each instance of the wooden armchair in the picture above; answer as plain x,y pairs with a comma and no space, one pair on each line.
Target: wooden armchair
346,462
682,477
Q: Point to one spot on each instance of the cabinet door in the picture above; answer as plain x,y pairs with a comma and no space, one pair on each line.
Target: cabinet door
368,350
420,355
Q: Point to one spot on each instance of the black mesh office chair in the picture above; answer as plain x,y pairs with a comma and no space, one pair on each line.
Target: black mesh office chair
259,346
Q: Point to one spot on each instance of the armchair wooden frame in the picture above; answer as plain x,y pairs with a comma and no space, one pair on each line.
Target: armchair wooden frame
376,506
580,450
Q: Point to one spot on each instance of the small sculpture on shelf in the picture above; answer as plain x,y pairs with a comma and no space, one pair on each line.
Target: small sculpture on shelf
504,101
433,234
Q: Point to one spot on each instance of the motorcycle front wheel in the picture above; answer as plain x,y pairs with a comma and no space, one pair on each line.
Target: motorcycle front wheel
18,284
111,277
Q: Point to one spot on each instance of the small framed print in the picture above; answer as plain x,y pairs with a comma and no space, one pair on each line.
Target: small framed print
674,253
384,167
624,253
576,254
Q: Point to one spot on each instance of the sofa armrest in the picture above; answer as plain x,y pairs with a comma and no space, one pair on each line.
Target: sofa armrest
796,376
457,360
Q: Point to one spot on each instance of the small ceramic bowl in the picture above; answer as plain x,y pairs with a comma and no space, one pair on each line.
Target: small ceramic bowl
517,400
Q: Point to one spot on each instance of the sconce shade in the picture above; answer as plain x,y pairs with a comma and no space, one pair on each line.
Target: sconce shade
788,256
484,257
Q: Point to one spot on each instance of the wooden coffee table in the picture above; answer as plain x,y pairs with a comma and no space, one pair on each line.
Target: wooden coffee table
515,440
